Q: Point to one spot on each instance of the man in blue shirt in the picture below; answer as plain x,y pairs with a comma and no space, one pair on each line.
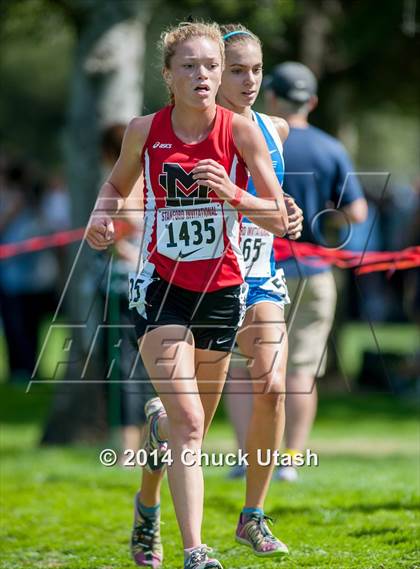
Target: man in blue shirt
320,177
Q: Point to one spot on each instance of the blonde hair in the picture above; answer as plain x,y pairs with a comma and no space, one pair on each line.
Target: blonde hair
239,34
171,38
185,31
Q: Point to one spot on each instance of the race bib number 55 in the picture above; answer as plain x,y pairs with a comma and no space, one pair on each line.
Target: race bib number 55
190,233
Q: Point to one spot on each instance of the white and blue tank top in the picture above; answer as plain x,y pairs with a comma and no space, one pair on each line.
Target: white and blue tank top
257,243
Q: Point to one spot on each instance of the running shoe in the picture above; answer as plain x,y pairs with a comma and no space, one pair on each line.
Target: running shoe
146,547
287,474
254,532
154,409
198,559
237,471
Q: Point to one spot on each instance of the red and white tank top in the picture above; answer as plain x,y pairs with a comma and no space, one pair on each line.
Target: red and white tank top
191,236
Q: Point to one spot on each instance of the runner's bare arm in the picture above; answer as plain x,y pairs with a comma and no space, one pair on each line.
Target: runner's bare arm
295,214
282,128
268,209
253,148
119,184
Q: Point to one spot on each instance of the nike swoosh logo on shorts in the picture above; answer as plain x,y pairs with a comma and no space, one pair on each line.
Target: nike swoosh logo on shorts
223,340
183,255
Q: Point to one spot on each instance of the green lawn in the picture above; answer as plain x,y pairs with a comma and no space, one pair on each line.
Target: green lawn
356,337
359,509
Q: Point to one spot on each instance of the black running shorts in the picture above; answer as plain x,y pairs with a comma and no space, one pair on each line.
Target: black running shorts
212,317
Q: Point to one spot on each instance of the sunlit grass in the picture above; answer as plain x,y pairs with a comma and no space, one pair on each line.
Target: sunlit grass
358,509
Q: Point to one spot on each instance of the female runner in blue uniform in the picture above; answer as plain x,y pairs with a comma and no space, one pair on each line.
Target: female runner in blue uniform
262,338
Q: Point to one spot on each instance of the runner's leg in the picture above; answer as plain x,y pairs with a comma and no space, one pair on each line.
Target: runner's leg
211,371
173,376
264,337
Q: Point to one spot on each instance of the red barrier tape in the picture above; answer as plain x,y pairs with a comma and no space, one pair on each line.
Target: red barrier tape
60,239
363,262
39,243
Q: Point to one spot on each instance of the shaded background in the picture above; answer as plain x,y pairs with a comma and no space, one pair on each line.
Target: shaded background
70,68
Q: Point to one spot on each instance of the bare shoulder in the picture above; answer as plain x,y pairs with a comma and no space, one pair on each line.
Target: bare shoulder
281,126
138,130
242,124
245,132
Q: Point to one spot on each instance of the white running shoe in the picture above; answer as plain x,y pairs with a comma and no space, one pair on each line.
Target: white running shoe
287,474
154,409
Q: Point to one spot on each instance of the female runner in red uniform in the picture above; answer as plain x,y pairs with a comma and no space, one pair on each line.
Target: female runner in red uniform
188,298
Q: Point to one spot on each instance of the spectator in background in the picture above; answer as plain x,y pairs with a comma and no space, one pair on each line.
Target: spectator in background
398,211
381,298
55,204
372,302
412,237
56,215
319,175
27,281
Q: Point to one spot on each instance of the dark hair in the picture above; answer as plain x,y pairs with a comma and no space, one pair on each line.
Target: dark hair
245,35
26,177
111,140
15,173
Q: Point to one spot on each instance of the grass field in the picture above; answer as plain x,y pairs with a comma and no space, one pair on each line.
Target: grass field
359,509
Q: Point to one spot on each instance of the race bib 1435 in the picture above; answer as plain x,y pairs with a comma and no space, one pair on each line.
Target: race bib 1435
190,233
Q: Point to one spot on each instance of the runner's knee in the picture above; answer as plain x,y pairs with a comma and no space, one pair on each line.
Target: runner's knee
188,425
270,403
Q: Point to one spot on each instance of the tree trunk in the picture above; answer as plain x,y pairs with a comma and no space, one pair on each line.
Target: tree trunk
107,88
316,27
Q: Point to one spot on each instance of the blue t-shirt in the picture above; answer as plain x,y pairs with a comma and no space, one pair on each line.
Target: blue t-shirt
251,245
318,171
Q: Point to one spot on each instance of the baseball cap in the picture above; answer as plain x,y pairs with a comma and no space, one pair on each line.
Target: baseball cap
292,81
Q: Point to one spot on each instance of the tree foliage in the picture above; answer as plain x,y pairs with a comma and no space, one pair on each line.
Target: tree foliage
360,50
37,43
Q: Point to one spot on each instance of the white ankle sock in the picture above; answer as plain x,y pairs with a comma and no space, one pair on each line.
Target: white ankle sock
189,550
